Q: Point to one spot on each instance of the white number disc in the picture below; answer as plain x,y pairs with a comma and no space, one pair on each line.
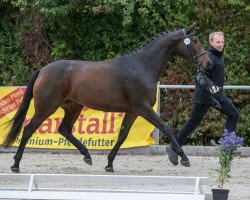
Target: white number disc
187,41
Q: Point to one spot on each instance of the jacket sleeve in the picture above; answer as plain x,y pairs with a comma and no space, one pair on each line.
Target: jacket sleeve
203,80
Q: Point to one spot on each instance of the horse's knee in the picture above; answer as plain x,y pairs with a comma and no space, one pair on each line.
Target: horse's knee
64,131
61,130
27,133
122,138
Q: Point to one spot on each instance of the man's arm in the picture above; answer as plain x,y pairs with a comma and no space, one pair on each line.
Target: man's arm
205,82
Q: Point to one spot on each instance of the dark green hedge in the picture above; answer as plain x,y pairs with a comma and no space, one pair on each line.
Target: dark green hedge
36,32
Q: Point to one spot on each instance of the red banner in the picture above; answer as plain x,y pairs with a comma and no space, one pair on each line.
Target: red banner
11,101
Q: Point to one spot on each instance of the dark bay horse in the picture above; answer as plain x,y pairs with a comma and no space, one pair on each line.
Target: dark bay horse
124,84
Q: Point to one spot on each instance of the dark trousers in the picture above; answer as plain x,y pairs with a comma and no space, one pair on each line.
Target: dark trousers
198,112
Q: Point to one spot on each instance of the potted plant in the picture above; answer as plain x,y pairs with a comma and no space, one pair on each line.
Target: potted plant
228,146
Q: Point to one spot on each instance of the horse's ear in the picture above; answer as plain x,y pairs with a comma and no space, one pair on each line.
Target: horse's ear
190,28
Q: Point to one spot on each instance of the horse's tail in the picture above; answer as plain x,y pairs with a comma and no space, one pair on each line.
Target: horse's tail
19,117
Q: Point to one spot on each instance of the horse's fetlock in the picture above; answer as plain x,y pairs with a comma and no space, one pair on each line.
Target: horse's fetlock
85,153
17,158
110,159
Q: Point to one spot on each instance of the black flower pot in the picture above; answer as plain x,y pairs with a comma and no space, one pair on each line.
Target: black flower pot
220,194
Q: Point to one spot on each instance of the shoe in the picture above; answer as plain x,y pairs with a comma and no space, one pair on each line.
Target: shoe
172,156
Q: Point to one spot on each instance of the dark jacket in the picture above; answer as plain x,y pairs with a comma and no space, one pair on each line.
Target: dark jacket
213,76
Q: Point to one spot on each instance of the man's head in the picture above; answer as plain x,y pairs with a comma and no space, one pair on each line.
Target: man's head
216,39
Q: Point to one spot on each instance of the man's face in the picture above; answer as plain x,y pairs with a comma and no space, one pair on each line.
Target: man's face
217,42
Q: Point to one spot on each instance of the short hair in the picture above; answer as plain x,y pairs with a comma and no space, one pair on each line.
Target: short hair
211,36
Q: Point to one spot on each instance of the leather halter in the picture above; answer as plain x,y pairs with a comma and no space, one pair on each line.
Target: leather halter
190,48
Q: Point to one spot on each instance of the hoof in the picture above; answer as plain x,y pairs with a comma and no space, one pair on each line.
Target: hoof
109,169
185,162
172,156
15,169
88,161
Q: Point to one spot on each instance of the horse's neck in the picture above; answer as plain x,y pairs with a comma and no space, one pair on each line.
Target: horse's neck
156,55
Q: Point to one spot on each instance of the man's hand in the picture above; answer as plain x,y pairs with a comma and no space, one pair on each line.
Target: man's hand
214,89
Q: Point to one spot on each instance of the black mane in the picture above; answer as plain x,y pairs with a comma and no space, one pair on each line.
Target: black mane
162,34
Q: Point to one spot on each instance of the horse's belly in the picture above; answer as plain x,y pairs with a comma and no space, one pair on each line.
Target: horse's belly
110,106
112,101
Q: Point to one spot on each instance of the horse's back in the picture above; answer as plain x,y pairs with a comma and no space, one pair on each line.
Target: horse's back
58,74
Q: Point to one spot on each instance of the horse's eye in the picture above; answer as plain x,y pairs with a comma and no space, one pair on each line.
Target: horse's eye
195,40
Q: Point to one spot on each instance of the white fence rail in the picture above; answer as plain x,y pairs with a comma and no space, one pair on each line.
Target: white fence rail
174,86
101,187
238,87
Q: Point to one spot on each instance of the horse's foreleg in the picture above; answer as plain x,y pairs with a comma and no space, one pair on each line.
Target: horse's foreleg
67,133
151,116
127,122
72,112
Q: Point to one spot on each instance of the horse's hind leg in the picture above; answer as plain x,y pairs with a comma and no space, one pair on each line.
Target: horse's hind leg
45,105
128,121
72,112
28,131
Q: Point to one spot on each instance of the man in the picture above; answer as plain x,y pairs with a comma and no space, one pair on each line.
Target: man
208,92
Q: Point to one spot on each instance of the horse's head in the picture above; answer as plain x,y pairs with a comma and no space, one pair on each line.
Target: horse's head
190,47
